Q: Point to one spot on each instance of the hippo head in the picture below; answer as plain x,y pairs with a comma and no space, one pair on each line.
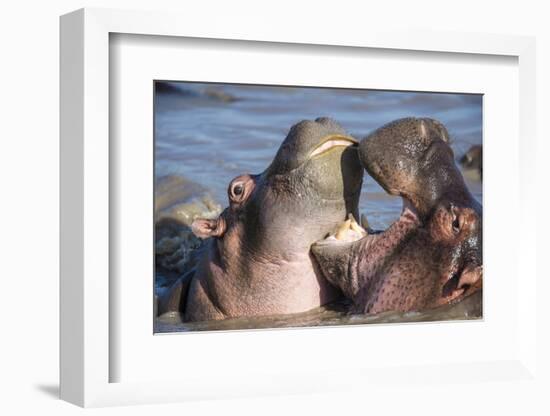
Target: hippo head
313,183
432,254
411,158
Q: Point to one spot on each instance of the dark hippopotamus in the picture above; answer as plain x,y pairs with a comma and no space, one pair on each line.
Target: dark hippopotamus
258,261
432,254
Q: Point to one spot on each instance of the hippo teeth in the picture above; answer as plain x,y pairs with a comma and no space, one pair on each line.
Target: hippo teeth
333,141
342,230
349,230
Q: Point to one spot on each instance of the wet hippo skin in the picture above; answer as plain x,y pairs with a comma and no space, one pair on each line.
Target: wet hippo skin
257,261
432,254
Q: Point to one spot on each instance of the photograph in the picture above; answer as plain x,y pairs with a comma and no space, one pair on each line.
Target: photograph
286,206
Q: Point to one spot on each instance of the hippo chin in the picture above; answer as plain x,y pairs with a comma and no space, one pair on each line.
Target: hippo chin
258,261
432,254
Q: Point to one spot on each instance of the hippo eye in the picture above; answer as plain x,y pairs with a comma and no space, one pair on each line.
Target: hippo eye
456,225
238,189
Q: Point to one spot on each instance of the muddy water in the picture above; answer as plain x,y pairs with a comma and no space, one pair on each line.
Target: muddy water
206,134
335,314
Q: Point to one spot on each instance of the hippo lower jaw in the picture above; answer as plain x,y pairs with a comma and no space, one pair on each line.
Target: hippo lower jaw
338,256
339,253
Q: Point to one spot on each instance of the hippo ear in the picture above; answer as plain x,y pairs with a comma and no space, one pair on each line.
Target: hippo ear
205,228
423,131
430,128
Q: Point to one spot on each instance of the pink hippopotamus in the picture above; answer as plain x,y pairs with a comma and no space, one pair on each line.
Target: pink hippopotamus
257,259
432,254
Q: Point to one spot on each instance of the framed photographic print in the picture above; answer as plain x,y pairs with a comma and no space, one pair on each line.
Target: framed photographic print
281,212
295,247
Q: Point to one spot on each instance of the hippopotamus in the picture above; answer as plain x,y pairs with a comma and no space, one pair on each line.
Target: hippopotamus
257,258
432,254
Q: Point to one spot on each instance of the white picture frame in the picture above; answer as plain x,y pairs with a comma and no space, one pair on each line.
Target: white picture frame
86,352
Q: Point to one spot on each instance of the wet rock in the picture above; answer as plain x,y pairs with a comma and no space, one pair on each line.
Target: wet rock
210,93
181,201
162,87
175,255
173,189
167,245
473,159
178,202
186,212
219,94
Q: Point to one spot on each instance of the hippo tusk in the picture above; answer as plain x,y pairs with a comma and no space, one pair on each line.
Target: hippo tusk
342,230
349,230
360,231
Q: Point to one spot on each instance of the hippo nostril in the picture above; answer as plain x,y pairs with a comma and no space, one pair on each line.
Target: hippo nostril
465,288
472,275
451,285
462,281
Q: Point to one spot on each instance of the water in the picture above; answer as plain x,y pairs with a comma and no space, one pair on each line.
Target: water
207,134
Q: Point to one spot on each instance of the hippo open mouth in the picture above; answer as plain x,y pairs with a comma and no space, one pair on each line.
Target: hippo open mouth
351,231
431,255
455,284
382,253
